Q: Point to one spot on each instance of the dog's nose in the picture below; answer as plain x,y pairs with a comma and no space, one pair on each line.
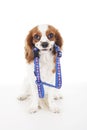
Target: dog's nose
44,44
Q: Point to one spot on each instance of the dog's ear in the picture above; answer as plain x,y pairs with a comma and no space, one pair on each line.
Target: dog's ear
59,40
29,55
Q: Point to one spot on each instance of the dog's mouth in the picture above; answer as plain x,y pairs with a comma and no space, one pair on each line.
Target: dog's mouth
49,49
44,49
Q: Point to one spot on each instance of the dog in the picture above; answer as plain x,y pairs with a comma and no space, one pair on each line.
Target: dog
42,37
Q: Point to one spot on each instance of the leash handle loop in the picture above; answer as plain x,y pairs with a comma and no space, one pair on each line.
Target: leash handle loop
58,76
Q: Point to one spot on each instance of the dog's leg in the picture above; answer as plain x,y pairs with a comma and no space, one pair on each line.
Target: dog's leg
53,106
34,100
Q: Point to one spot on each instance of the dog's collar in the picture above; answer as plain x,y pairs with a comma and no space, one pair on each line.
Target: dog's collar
58,77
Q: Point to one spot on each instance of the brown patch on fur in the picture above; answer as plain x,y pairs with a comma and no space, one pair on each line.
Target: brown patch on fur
54,70
30,41
57,36
51,30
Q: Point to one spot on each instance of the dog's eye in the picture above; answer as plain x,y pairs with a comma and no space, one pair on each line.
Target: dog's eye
37,37
50,35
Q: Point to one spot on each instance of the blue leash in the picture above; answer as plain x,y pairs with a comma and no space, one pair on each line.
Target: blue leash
58,76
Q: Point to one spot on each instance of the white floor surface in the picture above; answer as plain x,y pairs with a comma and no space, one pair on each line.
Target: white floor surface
72,116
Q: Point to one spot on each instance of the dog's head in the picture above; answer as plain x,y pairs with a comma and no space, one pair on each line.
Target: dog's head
43,37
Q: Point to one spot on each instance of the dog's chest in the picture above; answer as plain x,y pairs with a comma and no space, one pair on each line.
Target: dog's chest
46,67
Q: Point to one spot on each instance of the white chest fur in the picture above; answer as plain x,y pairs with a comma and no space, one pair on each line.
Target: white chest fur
46,67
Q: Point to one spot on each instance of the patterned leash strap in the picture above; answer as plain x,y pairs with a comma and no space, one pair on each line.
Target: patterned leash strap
58,76
37,74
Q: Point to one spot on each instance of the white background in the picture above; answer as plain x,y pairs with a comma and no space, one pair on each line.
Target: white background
17,17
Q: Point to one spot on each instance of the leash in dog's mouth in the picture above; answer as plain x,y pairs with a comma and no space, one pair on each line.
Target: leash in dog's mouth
50,49
58,76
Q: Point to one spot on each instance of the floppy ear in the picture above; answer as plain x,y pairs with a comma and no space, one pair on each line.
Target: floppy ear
59,40
29,48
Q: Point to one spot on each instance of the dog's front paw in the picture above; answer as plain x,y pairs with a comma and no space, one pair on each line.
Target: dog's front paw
33,108
33,105
53,107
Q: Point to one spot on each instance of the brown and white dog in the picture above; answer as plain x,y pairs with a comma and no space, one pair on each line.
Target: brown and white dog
43,37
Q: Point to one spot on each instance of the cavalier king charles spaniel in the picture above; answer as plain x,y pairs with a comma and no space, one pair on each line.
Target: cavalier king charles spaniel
42,37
